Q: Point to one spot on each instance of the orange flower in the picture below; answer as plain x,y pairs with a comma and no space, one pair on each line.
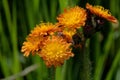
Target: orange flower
72,18
32,45
55,51
44,29
101,12
34,41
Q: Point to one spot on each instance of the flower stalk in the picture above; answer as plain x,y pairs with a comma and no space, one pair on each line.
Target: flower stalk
85,66
82,62
51,73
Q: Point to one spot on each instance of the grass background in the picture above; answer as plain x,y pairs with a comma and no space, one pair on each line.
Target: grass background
19,17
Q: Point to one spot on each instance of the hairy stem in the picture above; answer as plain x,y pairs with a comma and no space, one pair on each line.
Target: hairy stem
51,73
85,66
82,66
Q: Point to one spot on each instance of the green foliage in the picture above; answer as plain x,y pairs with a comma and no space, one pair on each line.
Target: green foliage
18,17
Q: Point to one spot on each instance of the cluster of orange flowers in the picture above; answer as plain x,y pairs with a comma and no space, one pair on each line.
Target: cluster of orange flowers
52,42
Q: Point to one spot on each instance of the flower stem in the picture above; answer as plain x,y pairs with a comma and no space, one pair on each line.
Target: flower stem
51,73
82,66
85,66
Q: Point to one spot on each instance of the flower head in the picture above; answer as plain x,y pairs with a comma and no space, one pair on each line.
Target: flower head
55,51
44,29
34,41
32,45
101,12
72,18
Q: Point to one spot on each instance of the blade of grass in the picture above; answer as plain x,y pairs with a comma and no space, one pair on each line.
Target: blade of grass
63,4
29,13
37,11
100,64
7,14
36,5
44,70
58,73
4,67
114,66
53,4
45,10
5,48
117,77
113,5
35,60
64,71
4,41
14,40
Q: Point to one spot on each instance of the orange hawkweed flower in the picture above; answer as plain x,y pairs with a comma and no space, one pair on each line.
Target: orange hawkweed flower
44,29
32,45
101,12
34,41
72,18
55,51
